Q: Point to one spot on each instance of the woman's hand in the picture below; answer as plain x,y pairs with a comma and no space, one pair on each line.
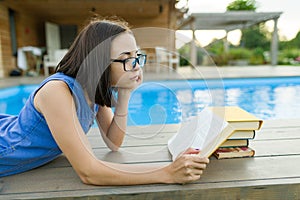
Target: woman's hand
188,167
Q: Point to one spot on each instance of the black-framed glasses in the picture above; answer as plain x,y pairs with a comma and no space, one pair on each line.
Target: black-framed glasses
130,63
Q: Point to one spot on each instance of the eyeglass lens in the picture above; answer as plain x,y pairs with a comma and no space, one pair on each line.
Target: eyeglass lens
131,62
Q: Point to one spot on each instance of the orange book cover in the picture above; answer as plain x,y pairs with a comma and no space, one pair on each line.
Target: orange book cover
234,152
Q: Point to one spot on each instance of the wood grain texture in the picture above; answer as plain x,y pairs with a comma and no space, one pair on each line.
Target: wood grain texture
271,174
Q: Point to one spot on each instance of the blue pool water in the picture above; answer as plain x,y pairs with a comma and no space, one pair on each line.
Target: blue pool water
175,101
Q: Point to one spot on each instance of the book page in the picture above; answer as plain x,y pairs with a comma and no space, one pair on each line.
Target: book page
196,133
184,138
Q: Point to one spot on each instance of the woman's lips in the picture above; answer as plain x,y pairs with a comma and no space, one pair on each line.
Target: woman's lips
134,78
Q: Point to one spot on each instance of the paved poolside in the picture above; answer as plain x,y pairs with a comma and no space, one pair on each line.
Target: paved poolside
189,73
225,72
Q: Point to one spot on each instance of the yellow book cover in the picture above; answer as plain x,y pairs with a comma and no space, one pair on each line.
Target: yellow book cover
242,134
238,117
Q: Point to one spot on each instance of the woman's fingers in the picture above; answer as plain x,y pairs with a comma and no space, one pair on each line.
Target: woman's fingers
191,174
188,167
194,158
191,167
191,151
199,159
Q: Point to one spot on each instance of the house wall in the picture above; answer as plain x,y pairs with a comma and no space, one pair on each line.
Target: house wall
156,31
6,59
29,30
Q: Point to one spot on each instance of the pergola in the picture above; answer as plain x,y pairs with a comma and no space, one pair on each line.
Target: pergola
228,21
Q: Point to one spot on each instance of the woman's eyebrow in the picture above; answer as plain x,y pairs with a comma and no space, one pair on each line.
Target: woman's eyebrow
128,52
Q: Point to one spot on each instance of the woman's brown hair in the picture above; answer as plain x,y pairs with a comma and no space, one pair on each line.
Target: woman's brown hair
88,59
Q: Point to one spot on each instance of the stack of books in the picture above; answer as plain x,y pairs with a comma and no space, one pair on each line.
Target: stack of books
214,127
220,131
237,145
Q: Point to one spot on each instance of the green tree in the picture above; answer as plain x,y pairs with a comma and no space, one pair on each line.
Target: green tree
294,43
242,5
289,50
184,55
255,36
216,52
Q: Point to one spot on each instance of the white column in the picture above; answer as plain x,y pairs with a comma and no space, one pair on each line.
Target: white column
193,47
226,44
274,44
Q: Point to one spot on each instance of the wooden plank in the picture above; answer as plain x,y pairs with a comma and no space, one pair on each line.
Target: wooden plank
159,153
129,140
222,172
136,155
279,123
278,133
155,149
276,147
233,169
272,173
160,138
290,130
136,130
152,154
139,135
274,191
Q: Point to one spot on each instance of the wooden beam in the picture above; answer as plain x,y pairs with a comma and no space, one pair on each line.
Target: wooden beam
186,22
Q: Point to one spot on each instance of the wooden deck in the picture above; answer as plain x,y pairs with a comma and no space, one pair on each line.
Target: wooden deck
272,174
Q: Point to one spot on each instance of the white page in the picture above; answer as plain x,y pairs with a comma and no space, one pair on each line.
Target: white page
184,137
196,133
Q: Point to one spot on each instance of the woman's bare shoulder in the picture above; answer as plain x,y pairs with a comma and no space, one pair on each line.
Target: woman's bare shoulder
52,92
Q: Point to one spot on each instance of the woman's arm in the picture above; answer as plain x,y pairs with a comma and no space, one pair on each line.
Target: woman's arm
113,126
55,99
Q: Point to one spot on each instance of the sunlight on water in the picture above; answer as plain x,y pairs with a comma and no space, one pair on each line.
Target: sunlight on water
175,101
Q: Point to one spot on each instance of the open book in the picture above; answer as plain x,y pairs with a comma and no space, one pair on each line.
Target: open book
210,129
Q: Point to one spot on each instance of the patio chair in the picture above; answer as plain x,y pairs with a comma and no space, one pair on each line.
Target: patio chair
53,60
166,58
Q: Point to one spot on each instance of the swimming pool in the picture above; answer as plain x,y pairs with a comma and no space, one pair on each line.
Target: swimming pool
174,101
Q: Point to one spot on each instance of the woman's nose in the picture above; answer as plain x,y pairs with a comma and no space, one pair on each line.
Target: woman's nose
137,67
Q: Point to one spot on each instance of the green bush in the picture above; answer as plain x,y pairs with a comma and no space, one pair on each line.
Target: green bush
220,59
287,56
239,54
257,57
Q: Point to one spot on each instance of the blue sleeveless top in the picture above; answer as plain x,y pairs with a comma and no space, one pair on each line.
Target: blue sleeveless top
26,141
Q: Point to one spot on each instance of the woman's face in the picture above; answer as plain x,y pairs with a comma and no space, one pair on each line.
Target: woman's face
122,47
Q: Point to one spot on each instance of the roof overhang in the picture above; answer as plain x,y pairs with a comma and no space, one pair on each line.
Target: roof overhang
228,21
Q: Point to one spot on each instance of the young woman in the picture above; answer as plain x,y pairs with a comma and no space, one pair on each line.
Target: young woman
104,58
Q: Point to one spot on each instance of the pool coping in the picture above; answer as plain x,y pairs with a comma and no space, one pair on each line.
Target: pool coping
187,73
